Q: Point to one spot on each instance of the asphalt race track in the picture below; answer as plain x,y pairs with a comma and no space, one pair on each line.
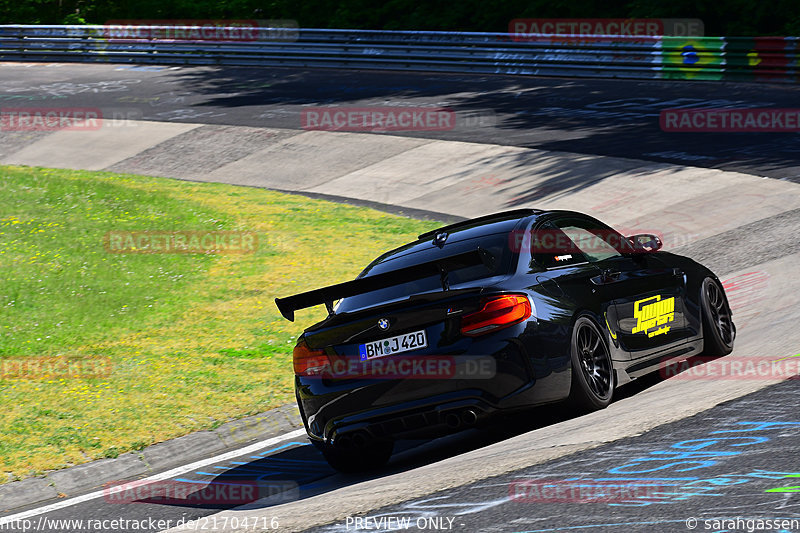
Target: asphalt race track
603,117
738,461
665,451
285,470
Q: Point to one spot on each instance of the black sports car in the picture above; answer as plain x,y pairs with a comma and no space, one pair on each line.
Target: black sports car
492,314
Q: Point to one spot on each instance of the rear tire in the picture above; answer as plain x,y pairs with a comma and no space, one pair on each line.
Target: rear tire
352,460
593,377
719,332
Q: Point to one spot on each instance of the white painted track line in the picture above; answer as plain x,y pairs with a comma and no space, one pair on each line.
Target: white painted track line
157,477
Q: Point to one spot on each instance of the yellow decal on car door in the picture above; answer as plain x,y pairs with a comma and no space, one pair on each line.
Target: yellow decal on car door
652,314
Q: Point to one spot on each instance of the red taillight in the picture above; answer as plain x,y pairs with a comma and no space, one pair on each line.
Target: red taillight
497,312
308,362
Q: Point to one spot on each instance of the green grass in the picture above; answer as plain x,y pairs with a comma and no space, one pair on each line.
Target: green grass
194,340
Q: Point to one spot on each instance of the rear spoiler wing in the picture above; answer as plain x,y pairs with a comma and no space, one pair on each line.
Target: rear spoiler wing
327,295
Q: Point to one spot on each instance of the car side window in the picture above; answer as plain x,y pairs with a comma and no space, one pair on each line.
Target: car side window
596,242
552,248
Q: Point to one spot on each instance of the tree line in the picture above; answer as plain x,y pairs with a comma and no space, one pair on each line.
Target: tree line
729,18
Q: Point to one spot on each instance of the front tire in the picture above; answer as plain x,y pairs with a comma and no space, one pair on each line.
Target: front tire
593,376
719,331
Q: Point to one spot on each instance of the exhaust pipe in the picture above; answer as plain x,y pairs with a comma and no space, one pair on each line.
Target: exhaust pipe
452,420
359,440
469,417
343,442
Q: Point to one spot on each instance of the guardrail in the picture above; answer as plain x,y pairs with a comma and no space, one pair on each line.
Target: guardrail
772,59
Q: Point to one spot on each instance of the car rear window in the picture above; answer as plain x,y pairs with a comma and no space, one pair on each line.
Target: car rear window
495,244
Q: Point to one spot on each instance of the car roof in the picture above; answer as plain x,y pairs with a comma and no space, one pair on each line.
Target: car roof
514,214
502,222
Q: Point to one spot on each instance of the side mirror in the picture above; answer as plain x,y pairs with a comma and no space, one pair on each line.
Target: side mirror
645,243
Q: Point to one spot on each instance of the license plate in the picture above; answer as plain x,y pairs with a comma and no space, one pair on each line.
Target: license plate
393,345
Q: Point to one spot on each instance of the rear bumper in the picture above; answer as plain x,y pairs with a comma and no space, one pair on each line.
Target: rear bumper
425,418
391,409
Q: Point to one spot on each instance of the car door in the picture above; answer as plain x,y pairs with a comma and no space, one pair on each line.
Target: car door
648,312
563,276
